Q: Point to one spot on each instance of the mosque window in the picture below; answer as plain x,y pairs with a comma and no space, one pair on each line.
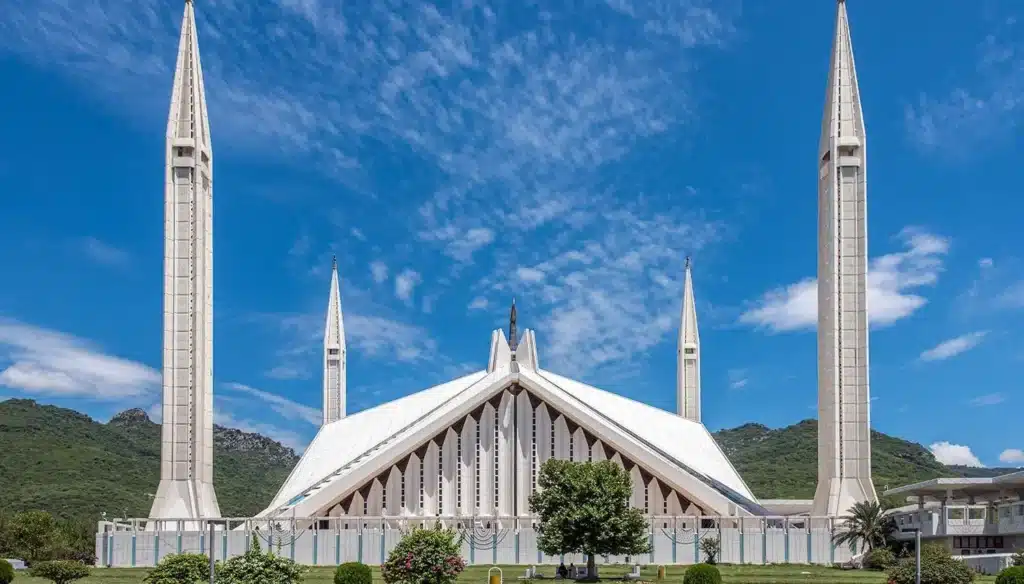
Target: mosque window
497,459
366,506
552,439
440,480
332,351
533,455
476,467
458,474
402,501
690,351
423,465
571,447
590,452
384,499
647,498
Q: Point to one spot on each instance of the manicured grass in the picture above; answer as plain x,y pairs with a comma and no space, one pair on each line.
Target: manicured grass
777,574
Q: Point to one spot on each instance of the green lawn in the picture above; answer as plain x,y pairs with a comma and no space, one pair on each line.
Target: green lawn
777,574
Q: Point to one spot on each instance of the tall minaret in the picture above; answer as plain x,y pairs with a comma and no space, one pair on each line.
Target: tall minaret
186,455
688,359
844,428
334,354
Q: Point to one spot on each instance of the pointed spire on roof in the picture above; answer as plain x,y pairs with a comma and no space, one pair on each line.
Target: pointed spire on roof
512,339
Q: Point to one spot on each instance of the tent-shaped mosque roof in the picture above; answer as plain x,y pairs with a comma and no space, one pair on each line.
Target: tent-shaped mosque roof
349,451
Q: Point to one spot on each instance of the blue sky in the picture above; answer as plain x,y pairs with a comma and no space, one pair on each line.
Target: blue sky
456,155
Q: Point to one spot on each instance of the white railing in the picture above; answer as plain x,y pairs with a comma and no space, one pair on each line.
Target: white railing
485,540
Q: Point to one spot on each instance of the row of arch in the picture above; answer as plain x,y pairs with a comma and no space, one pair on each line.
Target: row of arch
487,465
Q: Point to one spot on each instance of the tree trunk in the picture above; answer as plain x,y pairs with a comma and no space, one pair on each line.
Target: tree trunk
591,567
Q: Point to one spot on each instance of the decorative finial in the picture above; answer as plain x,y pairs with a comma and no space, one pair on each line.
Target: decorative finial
512,338
687,262
334,258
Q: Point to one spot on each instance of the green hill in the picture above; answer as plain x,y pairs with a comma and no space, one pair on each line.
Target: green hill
783,463
64,462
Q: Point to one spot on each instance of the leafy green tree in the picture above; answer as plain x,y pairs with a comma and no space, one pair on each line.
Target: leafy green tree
425,556
584,508
59,571
6,572
32,535
868,522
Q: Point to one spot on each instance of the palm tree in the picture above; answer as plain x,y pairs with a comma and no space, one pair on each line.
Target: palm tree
868,521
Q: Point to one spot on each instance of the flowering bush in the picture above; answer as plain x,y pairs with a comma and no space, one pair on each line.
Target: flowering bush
425,556
256,567
937,567
180,569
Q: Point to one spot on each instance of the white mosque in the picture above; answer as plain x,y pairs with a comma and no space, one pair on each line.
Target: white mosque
467,452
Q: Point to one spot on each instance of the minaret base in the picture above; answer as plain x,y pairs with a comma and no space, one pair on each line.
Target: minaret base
835,497
177,501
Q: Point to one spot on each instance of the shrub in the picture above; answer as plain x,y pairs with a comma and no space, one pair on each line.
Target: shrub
937,567
1011,575
880,559
711,548
6,572
702,574
257,567
353,573
425,556
59,571
180,569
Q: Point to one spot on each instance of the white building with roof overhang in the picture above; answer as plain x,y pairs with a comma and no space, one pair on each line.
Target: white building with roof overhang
971,516
473,447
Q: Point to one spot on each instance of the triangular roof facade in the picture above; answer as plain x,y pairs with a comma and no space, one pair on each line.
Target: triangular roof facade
348,453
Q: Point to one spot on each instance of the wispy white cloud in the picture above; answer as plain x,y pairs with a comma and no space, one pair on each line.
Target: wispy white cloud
953,347
956,454
1013,456
285,407
370,337
102,253
405,283
608,297
985,105
894,282
379,271
738,378
36,360
515,122
990,399
478,303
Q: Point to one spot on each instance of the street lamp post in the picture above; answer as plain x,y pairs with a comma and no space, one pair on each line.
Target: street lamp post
917,552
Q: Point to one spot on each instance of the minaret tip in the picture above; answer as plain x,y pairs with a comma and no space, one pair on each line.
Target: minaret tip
334,258
687,262
513,341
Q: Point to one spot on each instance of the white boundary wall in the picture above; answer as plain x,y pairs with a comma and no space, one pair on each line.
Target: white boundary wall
675,540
